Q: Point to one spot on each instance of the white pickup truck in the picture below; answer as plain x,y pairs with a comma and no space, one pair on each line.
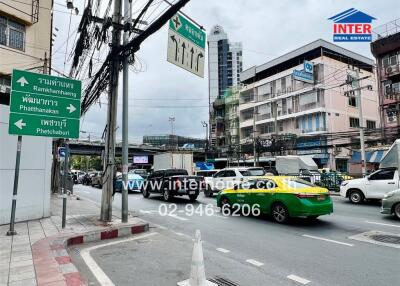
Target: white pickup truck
374,186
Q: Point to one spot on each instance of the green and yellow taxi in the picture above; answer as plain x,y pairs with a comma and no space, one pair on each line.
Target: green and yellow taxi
282,197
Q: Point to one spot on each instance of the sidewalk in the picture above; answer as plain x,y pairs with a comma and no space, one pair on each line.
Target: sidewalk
37,254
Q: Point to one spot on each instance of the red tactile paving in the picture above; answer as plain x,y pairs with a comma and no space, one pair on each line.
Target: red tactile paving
47,262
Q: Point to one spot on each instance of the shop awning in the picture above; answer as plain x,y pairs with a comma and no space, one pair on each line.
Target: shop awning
370,156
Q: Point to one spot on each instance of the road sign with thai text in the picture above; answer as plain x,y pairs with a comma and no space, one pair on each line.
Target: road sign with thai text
186,45
43,105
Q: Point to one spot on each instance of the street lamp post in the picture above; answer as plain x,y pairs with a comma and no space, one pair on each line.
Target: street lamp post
205,125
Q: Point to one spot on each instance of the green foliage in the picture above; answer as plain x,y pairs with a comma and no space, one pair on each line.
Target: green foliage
86,163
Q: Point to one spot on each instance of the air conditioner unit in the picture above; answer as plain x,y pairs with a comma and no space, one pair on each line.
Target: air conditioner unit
5,89
389,70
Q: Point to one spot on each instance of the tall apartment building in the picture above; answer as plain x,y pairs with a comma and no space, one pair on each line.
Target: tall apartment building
224,68
386,49
25,42
302,93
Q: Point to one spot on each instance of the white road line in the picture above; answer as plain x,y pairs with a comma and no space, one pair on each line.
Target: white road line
177,217
220,216
254,262
180,233
223,250
101,277
298,279
384,224
328,240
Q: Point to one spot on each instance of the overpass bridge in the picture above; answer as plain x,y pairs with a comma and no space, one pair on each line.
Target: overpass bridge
96,148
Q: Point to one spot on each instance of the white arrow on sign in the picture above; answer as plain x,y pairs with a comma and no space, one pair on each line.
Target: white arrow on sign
22,81
71,108
20,124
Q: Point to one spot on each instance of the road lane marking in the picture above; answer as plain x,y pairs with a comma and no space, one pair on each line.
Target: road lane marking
98,273
384,224
327,240
180,233
177,217
298,279
223,250
254,262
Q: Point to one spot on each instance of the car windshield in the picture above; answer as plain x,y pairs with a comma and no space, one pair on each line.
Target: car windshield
134,177
245,173
296,183
256,172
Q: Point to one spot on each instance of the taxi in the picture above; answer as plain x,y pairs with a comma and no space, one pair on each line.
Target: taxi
282,197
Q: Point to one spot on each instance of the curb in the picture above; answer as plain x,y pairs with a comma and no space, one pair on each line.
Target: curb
53,265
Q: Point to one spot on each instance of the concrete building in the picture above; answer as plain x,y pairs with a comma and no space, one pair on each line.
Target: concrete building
25,42
224,68
386,49
302,94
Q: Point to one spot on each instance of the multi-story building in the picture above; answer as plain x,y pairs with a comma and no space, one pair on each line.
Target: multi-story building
224,68
303,93
386,49
25,43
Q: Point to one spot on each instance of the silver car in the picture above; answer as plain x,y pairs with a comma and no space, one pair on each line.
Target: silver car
391,203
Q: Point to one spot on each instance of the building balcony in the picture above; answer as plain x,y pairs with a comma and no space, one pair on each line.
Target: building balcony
218,103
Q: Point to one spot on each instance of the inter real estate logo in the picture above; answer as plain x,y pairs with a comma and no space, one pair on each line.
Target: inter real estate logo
352,25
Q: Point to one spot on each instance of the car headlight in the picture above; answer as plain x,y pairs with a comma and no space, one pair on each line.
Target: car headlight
390,194
344,183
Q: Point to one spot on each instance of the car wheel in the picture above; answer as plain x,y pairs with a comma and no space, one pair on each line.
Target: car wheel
208,192
167,195
193,198
280,213
356,197
145,193
396,210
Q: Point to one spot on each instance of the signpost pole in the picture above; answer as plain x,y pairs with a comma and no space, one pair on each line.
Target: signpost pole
15,190
64,209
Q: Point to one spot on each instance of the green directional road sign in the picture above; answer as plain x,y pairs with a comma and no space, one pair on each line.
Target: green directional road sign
43,105
186,45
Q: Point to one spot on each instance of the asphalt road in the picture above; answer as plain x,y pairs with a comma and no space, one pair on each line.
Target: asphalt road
246,250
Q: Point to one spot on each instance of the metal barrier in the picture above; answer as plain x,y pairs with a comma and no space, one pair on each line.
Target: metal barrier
331,180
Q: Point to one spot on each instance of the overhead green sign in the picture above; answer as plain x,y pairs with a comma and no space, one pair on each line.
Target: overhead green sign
188,30
43,105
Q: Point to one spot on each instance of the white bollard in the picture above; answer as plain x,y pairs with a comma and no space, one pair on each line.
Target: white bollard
197,271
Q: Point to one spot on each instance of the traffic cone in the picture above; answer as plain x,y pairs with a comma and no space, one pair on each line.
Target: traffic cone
197,272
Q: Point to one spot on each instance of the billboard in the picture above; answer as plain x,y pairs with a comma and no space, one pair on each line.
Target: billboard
142,159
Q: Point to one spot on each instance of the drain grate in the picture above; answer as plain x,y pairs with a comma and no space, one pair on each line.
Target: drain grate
386,238
223,281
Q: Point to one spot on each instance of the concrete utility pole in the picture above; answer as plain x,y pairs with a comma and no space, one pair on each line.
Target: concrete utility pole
362,141
109,154
205,125
171,119
125,113
254,138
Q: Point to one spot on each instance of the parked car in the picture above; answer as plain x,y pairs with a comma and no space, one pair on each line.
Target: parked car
76,174
87,179
173,182
135,182
281,196
225,178
374,186
97,179
81,176
391,203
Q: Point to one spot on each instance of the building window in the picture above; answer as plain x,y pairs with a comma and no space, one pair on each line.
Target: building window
12,34
371,124
354,122
353,101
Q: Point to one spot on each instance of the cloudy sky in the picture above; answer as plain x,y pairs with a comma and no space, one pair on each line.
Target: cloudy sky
267,29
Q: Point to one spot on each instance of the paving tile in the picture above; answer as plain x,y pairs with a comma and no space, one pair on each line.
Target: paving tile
14,264
21,269
29,274
21,257
21,247
67,268
25,282
4,277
